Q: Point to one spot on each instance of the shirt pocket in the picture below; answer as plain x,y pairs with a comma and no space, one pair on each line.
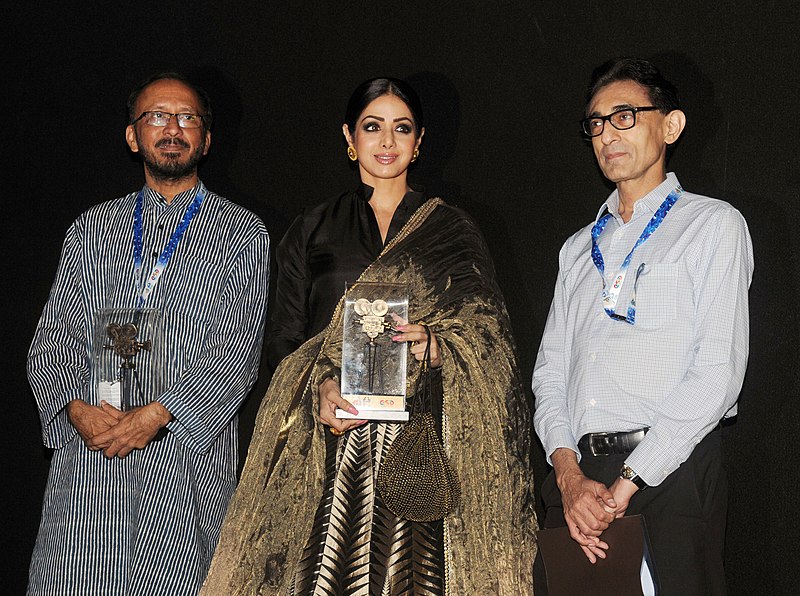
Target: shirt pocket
657,295
196,289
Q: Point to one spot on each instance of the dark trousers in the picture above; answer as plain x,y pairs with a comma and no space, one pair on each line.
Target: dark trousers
685,518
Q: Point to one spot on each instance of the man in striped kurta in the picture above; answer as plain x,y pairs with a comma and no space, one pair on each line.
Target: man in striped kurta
136,497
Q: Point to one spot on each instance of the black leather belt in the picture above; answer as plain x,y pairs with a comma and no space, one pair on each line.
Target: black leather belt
611,443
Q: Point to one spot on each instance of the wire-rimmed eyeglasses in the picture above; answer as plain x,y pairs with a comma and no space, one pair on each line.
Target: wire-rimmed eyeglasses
159,118
621,120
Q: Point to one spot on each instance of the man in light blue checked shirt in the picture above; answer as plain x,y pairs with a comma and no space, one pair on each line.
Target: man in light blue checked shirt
646,344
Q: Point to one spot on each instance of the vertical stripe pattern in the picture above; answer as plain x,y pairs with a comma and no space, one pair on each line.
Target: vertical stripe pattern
148,524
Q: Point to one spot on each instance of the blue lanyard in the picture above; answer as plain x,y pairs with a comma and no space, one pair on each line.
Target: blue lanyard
169,250
610,295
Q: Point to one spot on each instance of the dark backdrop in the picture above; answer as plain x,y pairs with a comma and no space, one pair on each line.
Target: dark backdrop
502,83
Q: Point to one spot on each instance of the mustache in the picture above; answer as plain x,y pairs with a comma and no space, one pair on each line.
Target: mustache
168,142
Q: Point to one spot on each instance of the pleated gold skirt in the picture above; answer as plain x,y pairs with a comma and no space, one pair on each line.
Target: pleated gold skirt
357,546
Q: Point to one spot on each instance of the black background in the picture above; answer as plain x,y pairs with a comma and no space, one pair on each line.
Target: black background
502,84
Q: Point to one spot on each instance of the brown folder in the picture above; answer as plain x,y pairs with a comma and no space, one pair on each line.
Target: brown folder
569,572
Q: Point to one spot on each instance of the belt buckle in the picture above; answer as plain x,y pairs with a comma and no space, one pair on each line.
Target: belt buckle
592,437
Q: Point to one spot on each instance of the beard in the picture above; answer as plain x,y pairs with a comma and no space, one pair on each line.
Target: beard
165,165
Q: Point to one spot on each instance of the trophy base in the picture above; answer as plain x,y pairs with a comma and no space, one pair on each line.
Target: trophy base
389,415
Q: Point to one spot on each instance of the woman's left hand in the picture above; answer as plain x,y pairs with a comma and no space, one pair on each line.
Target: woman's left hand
419,340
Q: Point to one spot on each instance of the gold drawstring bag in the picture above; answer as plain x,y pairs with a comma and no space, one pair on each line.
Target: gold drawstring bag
415,480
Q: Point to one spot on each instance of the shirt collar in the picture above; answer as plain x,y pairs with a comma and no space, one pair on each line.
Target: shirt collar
648,203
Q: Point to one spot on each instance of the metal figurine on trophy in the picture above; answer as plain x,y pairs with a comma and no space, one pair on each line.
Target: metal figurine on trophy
125,345
373,323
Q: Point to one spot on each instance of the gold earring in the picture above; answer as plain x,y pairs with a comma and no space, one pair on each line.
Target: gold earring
351,153
415,155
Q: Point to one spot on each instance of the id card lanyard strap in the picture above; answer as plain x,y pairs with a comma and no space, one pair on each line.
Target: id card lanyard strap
611,294
169,249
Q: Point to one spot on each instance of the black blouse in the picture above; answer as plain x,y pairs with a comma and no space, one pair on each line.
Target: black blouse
325,249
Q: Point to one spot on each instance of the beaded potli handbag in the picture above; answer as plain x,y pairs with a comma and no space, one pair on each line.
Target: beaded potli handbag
415,480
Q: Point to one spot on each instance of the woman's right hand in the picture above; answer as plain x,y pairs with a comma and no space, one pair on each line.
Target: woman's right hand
331,398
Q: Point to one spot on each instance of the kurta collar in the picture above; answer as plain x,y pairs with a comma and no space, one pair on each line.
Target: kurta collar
181,201
413,199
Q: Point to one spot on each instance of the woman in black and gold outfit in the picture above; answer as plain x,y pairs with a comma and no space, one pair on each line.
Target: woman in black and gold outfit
307,518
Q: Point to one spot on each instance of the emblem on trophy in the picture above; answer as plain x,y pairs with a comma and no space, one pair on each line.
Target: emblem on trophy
373,316
124,344
373,323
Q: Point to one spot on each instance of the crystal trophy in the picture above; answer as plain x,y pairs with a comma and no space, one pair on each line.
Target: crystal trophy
126,370
373,366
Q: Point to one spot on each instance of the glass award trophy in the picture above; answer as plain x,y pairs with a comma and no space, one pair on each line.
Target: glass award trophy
127,364
373,366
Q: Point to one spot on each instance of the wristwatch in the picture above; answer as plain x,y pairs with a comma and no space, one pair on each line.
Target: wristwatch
628,474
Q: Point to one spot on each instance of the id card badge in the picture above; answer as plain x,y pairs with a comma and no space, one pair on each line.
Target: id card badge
110,392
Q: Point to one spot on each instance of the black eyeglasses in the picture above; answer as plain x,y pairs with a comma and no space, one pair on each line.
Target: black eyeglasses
621,120
158,118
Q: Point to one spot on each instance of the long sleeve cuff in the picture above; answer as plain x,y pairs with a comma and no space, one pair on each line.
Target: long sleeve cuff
558,438
186,425
59,431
